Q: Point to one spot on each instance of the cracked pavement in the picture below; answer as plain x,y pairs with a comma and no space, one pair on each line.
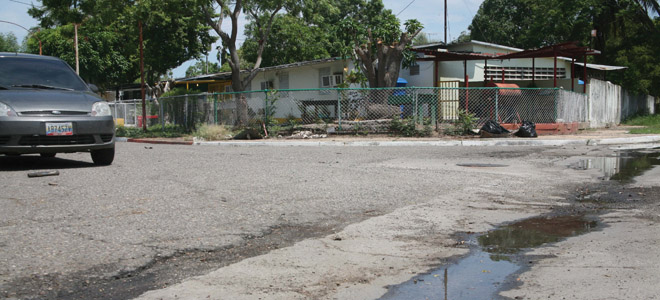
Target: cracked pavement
163,214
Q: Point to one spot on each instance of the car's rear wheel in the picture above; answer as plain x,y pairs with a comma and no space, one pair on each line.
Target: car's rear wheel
103,157
47,155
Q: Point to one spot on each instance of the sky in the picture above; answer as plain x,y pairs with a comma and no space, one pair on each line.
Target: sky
429,12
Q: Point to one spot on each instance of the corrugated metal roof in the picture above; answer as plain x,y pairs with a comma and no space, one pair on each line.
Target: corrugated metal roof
227,75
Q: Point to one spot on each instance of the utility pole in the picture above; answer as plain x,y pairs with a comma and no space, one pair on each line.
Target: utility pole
144,105
445,22
75,30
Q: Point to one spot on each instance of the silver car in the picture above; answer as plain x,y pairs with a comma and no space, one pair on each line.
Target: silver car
46,108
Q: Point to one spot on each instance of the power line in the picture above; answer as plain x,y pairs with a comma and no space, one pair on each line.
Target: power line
475,24
411,2
30,4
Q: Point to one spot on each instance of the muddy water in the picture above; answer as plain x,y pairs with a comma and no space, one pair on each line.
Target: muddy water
493,262
624,166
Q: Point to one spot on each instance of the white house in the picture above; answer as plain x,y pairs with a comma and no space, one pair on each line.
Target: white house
479,71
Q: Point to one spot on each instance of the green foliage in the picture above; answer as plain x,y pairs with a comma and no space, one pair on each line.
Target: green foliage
408,127
292,40
466,122
531,24
8,43
626,33
201,67
651,124
170,131
108,36
213,132
179,92
270,107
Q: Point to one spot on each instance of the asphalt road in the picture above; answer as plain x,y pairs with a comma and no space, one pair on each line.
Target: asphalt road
163,213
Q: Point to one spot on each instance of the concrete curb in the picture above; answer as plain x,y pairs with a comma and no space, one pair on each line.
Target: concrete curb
650,140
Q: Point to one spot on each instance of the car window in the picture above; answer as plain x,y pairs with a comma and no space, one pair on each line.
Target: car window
19,71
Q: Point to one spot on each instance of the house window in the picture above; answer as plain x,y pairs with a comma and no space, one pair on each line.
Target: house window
326,81
523,73
267,85
414,70
338,79
331,81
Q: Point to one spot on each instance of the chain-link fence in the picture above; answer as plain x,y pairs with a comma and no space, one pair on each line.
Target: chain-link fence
348,108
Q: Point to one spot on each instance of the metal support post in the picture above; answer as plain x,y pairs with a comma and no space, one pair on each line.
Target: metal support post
497,106
266,118
215,109
418,114
339,113
556,91
161,112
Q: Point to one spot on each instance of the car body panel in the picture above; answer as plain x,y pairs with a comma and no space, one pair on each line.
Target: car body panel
27,100
33,107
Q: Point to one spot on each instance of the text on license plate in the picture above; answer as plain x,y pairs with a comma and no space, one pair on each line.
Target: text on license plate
59,129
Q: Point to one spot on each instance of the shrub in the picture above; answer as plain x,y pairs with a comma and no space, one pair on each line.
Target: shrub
408,127
213,132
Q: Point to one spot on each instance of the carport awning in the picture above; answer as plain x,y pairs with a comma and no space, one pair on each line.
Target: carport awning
507,89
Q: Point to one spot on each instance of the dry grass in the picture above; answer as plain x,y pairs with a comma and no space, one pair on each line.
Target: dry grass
214,132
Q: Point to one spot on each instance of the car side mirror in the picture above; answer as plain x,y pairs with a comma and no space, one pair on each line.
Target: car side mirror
93,87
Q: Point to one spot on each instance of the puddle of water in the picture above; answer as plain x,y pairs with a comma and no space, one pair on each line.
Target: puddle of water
623,167
493,259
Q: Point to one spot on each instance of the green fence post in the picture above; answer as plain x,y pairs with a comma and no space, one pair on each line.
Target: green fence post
265,120
215,109
555,96
339,98
497,106
161,111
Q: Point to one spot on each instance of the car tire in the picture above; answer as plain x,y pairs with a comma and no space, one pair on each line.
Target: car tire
103,157
47,155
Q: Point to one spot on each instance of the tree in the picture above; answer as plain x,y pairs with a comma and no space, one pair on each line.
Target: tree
8,43
313,29
202,67
532,24
375,37
262,13
174,32
626,34
291,40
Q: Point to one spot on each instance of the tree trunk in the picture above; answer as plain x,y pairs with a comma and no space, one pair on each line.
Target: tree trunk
229,41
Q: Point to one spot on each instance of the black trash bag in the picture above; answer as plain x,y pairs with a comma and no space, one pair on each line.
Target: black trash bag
528,129
494,128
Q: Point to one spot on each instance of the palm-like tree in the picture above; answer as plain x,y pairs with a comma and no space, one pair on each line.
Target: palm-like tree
649,6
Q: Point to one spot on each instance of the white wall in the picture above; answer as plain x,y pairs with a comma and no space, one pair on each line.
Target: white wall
453,70
423,79
609,104
300,77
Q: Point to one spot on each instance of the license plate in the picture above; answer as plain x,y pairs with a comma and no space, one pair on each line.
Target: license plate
53,129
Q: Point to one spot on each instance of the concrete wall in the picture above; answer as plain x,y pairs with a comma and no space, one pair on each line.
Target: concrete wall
609,104
572,107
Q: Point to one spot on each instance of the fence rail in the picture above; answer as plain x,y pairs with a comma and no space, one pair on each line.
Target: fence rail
345,107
